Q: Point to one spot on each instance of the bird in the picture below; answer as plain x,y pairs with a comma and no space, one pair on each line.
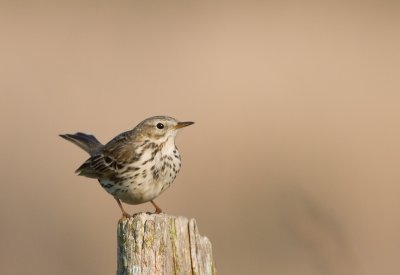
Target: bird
136,166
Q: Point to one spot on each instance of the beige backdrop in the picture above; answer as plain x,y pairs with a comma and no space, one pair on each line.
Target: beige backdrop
292,166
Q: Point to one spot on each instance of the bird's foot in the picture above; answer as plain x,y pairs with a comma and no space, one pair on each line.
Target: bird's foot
154,213
158,209
125,215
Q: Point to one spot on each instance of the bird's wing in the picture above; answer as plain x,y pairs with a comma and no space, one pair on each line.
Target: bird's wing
107,163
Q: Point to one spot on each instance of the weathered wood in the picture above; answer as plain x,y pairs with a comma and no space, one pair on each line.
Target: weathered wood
162,244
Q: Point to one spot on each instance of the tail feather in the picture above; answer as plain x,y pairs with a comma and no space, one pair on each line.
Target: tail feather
87,142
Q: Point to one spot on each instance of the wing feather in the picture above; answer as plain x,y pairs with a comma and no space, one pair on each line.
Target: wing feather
113,158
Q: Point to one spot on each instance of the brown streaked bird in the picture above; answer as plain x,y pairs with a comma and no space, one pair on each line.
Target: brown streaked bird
136,166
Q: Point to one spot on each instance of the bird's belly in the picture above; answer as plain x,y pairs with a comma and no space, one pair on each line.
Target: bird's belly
144,192
146,183
139,191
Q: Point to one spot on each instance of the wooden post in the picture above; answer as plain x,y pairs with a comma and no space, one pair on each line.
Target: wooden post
162,244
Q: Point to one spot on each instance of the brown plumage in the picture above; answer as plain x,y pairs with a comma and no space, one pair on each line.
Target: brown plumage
136,166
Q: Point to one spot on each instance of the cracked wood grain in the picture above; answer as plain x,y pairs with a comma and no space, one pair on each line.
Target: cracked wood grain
162,244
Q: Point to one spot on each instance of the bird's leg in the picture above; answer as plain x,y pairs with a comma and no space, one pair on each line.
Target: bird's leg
124,213
158,209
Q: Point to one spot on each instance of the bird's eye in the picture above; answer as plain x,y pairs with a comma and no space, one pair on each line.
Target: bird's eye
160,125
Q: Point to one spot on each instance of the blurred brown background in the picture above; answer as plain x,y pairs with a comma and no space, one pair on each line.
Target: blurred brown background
292,166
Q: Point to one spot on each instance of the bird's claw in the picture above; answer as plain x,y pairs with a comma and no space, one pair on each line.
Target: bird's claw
125,216
158,211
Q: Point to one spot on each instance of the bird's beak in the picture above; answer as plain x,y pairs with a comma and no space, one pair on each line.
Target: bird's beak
183,124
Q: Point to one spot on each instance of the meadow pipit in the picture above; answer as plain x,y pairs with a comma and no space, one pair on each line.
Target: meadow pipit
136,166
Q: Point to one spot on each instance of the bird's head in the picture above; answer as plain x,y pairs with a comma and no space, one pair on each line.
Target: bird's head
160,128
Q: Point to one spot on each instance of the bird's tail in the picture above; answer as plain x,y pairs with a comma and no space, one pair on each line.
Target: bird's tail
87,142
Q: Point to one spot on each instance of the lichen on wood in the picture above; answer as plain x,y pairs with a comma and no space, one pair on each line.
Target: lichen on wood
162,244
